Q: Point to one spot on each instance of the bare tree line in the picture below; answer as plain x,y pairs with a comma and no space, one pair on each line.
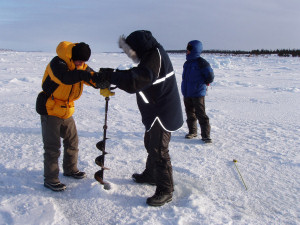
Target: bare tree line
279,52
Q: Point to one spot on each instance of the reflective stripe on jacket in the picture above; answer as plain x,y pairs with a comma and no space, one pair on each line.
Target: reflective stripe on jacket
156,89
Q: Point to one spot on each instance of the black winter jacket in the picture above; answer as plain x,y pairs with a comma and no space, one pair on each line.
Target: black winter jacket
153,81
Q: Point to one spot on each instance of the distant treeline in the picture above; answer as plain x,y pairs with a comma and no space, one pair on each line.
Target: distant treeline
279,52
5,50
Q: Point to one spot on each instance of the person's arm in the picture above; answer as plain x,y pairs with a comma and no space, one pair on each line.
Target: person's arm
61,71
209,75
137,78
206,70
132,80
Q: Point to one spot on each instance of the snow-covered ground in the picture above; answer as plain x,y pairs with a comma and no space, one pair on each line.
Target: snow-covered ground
254,109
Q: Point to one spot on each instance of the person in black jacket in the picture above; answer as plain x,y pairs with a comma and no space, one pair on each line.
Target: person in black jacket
197,75
154,83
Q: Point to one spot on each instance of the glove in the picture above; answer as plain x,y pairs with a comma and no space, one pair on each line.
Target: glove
101,80
85,76
106,92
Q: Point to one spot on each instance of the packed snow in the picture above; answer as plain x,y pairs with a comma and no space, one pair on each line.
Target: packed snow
254,111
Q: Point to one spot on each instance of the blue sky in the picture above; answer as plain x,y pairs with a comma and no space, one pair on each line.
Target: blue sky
39,25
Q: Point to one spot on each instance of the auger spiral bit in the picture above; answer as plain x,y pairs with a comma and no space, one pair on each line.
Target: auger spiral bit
100,159
99,177
101,145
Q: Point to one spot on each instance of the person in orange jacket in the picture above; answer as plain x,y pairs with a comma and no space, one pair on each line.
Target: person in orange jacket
62,84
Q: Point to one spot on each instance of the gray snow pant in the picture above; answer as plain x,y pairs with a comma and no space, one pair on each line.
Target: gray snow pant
195,109
54,128
158,165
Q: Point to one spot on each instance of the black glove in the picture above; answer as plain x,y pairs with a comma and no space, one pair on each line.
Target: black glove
101,80
86,77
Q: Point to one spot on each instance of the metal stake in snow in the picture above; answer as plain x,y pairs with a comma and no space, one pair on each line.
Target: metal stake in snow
100,159
235,161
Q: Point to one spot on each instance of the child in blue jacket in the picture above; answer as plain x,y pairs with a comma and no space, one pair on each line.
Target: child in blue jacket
197,75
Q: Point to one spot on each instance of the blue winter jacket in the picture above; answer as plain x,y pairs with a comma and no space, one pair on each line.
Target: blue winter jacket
197,72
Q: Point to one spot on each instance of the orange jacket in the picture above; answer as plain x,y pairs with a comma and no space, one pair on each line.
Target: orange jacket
62,84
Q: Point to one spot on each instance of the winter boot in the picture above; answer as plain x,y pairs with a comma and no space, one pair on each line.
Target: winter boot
76,175
190,136
206,140
55,186
143,179
159,198
192,125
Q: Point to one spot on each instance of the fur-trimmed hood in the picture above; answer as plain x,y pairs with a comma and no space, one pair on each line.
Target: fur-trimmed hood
128,50
138,43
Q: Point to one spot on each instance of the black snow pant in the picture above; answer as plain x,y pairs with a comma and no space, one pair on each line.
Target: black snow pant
54,128
158,165
195,110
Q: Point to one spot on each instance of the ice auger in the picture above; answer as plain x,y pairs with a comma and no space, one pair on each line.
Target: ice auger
100,159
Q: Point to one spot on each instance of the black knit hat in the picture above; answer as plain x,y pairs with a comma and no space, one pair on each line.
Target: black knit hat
81,51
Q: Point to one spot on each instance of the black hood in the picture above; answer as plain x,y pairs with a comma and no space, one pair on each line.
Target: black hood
141,41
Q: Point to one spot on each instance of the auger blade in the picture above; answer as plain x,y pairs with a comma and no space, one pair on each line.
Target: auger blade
101,145
100,160
99,177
